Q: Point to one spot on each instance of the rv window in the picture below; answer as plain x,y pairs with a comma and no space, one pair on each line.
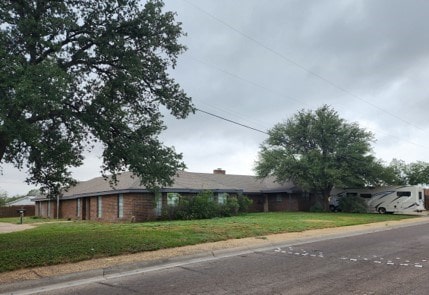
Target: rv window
351,194
403,194
366,196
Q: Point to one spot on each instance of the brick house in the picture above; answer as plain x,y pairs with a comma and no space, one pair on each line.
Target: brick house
95,199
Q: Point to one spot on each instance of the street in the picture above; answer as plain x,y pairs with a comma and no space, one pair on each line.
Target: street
389,262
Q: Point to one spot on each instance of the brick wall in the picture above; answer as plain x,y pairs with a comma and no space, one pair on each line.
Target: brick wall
46,209
68,209
142,206
109,208
257,203
136,207
283,202
93,208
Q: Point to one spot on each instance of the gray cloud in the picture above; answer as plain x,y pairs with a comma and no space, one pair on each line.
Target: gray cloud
367,59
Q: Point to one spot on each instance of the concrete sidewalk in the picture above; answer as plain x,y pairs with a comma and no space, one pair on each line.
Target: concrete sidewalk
103,268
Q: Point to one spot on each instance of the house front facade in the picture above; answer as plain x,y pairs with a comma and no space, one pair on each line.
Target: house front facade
95,199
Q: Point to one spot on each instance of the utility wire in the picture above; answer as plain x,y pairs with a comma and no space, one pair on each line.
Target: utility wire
231,121
291,61
288,97
248,81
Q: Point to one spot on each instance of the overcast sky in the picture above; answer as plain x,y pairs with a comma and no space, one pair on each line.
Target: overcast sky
259,62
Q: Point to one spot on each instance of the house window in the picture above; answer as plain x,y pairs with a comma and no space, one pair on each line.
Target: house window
78,207
99,206
120,206
279,198
173,199
221,198
420,196
158,204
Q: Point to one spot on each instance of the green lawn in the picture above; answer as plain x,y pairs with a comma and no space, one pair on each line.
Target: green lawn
55,243
25,220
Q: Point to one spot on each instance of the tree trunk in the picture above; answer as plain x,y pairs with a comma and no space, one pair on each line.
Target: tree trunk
3,145
326,193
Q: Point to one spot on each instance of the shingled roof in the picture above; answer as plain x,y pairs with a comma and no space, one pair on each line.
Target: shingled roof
183,182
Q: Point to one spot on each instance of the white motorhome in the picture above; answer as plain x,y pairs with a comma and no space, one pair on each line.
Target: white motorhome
388,199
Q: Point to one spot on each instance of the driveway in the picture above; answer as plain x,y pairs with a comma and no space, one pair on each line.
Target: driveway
10,227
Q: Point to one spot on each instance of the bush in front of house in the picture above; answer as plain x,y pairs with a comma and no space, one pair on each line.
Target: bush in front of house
353,204
243,203
317,207
205,206
230,208
201,206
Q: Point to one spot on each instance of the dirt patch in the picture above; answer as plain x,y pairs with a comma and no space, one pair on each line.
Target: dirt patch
10,227
268,240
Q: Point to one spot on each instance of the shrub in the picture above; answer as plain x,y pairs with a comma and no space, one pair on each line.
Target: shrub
230,208
316,207
201,206
353,204
243,203
205,206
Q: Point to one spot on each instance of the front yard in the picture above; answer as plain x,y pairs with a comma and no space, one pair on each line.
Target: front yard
56,243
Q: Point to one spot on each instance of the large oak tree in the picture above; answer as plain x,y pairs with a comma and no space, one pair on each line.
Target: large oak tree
318,150
77,72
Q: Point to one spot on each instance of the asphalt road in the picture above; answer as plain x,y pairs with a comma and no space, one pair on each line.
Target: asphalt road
395,261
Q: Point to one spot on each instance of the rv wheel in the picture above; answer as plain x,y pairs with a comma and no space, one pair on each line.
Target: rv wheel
381,210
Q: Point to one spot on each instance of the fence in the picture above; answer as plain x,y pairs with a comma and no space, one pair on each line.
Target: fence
12,211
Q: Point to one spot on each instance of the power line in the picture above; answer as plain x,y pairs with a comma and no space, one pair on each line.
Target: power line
247,80
288,97
231,121
298,65
236,76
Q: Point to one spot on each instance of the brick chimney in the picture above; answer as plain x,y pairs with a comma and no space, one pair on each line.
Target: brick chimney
219,171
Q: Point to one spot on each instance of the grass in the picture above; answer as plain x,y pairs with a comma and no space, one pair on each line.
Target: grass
55,243
25,220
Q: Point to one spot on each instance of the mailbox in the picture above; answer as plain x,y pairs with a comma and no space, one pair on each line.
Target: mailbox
21,214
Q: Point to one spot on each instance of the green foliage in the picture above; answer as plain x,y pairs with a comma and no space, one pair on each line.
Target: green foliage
317,207
78,73
201,206
353,204
318,150
396,172
409,174
3,197
230,208
243,203
205,206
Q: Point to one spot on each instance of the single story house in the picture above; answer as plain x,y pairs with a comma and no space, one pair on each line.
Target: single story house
95,199
24,201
